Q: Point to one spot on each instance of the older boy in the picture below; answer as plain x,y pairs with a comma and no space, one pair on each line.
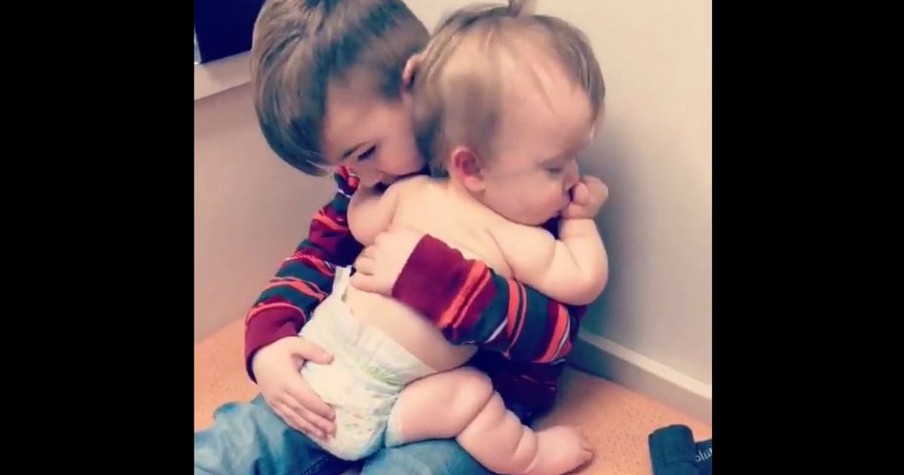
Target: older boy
316,115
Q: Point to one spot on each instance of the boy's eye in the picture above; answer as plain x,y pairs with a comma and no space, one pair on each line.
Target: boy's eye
555,170
367,153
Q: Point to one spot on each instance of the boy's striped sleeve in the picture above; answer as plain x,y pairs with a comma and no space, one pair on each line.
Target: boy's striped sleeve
305,278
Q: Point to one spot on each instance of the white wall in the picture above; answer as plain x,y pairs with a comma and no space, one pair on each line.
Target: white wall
655,154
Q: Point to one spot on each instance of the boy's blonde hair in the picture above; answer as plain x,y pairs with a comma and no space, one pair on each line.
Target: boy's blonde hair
299,46
458,94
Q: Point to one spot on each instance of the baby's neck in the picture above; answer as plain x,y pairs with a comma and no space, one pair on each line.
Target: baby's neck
460,192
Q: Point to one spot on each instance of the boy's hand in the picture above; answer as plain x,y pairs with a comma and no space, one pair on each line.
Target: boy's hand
587,197
378,267
276,369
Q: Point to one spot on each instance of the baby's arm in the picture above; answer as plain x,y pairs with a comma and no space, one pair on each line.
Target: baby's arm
572,269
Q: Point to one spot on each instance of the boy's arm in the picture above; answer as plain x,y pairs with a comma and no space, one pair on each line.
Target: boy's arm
572,269
477,305
306,277
470,302
467,300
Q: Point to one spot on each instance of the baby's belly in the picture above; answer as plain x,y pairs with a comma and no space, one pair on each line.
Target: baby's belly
408,329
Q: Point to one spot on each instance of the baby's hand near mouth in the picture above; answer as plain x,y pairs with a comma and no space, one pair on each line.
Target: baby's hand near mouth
587,197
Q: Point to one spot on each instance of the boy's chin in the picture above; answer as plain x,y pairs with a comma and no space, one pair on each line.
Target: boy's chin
383,184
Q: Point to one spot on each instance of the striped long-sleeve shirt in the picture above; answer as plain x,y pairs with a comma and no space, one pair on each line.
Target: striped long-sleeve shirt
523,335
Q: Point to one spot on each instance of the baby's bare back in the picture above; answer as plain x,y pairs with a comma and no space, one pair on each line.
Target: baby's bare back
433,208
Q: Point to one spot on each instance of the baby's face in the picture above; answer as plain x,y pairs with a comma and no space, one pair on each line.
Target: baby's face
541,131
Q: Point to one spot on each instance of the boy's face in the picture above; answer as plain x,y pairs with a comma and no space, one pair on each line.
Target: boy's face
541,131
369,134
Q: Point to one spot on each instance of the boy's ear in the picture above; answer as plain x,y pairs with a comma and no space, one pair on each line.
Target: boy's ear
410,69
465,165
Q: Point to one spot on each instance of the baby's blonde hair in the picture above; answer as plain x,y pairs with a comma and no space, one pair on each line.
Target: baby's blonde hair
457,94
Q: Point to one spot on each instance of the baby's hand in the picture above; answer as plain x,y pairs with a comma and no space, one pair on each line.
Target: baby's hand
587,197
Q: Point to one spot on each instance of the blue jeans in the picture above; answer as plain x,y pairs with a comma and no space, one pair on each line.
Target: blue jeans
250,439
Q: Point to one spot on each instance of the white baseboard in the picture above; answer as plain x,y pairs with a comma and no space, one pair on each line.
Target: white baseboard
597,355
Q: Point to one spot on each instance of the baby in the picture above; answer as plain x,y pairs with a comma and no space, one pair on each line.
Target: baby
503,102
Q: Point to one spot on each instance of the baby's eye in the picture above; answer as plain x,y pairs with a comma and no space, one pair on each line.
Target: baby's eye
555,170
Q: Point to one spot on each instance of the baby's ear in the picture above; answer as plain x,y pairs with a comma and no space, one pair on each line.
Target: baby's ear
411,67
465,165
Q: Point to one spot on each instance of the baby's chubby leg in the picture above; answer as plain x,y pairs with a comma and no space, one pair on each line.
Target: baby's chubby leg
462,404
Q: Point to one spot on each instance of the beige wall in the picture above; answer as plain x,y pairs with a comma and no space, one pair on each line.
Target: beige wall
251,209
655,153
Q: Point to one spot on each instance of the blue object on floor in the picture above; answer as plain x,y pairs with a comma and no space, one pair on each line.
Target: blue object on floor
674,452
704,457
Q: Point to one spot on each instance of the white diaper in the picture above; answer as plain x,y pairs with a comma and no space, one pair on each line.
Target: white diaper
363,382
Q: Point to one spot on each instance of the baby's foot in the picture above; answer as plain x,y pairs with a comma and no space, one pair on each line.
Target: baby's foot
560,449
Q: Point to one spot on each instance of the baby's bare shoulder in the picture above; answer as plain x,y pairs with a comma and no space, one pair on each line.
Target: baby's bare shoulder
411,183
